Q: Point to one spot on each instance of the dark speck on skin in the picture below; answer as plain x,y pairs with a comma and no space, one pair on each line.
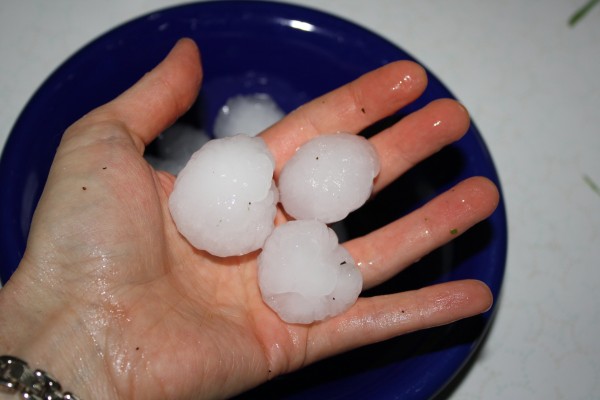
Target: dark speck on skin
363,110
83,188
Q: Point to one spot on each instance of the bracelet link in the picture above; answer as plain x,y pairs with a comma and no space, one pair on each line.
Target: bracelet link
17,377
12,370
42,387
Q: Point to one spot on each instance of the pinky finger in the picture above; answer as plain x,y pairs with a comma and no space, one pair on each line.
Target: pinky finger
380,318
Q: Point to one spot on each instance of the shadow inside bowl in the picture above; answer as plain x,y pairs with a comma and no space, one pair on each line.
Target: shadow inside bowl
323,380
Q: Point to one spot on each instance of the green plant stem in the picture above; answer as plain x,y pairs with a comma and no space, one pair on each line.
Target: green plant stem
582,12
590,182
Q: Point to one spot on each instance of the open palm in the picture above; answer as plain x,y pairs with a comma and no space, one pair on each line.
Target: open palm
150,317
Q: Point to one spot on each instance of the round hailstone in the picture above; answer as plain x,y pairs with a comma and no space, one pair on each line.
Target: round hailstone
305,275
328,177
224,199
249,115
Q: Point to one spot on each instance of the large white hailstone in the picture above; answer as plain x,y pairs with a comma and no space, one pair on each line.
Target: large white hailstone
249,115
328,177
305,275
224,200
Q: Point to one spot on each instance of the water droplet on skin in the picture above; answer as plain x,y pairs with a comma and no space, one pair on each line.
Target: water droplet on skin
366,264
406,79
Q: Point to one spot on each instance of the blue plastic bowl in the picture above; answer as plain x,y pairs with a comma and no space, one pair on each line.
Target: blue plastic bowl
294,54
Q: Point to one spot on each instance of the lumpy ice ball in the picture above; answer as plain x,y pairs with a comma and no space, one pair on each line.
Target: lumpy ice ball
248,114
328,177
305,275
224,199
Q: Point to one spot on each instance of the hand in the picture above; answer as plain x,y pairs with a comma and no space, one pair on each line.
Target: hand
115,303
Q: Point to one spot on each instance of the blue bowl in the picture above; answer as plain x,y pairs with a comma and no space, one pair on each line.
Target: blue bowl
294,54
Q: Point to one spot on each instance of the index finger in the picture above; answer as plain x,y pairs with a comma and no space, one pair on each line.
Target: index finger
350,108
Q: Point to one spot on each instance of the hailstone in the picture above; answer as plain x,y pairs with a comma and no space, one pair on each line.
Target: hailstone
248,114
175,146
224,199
305,275
328,177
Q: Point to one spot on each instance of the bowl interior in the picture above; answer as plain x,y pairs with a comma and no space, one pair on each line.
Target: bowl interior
293,54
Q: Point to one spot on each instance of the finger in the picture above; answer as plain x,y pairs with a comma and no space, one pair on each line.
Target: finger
379,318
350,108
388,250
159,98
418,136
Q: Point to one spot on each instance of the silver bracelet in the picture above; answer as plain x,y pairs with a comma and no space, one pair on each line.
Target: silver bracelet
17,378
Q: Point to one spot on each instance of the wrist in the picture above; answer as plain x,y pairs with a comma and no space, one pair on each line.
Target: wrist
48,335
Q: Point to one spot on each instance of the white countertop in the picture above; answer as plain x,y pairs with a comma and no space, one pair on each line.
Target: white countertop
533,88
